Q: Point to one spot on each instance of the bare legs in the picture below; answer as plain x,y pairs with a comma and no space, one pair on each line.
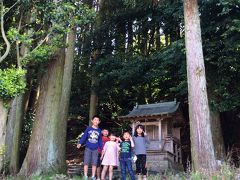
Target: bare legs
104,170
94,168
85,168
99,172
110,172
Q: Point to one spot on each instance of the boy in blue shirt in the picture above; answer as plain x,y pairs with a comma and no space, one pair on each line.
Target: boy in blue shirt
92,137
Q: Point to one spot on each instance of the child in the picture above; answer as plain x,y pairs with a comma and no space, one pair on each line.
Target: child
105,138
140,142
109,156
93,138
125,156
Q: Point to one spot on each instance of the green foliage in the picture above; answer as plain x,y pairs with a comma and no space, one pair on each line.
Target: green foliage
232,173
14,35
227,171
160,76
158,73
12,83
84,15
227,6
134,74
221,41
46,26
40,55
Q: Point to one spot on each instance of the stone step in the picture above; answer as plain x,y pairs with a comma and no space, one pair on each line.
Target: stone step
74,170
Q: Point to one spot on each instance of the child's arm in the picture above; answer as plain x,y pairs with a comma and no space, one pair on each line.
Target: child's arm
102,155
131,140
119,149
118,140
100,143
83,138
104,150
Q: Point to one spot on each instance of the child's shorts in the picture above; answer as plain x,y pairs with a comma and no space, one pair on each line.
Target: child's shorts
90,156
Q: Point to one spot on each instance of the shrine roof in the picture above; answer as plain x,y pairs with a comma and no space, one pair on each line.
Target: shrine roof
155,109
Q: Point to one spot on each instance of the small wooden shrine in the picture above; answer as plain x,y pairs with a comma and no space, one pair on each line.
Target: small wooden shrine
162,122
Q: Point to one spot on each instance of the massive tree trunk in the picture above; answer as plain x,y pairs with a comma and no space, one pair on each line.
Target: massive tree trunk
66,89
93,102
14,129
203,156
3,126
15,123
94,84
130,36
96,54
17,113
45,154
144,40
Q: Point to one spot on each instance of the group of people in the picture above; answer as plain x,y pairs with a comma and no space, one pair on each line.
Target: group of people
105,150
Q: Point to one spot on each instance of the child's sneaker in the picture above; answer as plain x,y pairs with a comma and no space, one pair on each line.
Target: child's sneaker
85,178
93,178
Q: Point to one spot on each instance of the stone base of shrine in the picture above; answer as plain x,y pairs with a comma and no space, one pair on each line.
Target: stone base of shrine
162,161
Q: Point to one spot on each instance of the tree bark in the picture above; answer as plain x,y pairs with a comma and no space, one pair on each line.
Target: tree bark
158,38
144,41
151,39
3,121
96,54
217,136
93,102
66,89
203,156
14,129
94,97
130,36
45,154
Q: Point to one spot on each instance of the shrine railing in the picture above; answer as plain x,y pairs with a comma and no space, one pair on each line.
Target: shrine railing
172,145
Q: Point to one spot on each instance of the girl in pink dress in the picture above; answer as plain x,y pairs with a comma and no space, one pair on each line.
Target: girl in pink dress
109,156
